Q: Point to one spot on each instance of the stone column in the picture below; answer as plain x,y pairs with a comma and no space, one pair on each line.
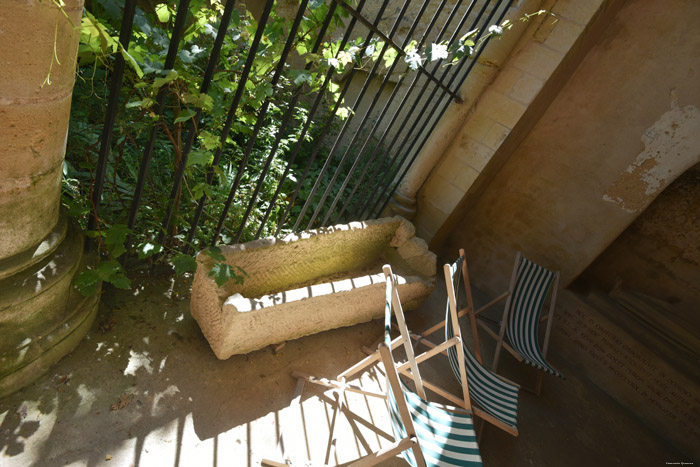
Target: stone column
42,317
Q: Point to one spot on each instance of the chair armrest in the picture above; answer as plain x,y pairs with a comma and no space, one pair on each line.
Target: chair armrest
451,408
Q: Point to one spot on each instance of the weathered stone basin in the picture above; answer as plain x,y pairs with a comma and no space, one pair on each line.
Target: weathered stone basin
309,282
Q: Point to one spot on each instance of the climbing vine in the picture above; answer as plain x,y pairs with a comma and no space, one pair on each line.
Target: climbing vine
146,76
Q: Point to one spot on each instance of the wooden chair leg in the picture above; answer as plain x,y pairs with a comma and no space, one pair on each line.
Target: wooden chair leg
480,431
330,447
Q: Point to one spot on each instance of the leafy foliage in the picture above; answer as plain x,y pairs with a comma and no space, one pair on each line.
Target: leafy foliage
242,160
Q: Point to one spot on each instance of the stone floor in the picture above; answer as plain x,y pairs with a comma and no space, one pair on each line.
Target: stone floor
144,389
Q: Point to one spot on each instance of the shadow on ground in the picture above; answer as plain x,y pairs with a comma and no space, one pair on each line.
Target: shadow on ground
143,388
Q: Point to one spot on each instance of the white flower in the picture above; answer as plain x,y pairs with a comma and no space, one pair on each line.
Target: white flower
413,59
496,30
209,29
438,51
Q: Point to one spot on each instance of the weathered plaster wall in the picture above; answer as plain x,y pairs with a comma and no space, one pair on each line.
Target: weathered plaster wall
659,256
564,193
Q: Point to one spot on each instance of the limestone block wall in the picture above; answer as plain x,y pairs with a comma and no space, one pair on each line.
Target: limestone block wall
607,144
493,58
497,116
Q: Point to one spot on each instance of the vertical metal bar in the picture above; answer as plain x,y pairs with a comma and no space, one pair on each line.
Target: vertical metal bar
285,119
375,152
379,119
114,88
432,127
281,131
240,88
345,125
192,130
326,126
412,87
474,60
422,113
178,29
307,123
251,141
368,112
391,42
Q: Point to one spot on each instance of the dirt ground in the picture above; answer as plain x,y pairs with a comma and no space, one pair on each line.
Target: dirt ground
144,389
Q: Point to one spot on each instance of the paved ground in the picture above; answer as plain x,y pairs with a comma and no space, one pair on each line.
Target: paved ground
144,389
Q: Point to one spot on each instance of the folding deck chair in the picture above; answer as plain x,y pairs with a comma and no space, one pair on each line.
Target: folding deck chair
496,398
426,433
529,286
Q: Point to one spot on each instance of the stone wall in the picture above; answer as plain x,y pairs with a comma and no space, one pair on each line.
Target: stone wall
614,125
503,113
621,129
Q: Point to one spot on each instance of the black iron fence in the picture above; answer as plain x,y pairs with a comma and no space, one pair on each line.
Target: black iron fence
343,112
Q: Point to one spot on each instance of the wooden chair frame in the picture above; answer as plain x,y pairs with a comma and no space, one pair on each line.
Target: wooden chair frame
392,369
500,337
468,311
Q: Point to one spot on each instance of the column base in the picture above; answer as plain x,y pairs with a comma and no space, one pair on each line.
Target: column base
401,205
42,316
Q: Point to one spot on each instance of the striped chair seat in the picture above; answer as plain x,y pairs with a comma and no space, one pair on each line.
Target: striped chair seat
446,438
495,396
531,287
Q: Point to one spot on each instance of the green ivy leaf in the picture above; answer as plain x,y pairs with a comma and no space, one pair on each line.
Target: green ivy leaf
87,282
183,263
199,100
131,61
159,82
114,239
148,249
144,103
112,272
199,158
390,56
202,188
215,252
185,115
209,140
163,13
218,171
121,282
222,272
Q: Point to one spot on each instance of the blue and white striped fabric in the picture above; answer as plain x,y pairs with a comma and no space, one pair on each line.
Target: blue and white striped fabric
445,438
495,396
531,287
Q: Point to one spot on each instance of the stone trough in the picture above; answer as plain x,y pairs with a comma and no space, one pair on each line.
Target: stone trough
309,282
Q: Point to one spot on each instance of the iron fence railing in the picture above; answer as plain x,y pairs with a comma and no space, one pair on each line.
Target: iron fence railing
353,165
